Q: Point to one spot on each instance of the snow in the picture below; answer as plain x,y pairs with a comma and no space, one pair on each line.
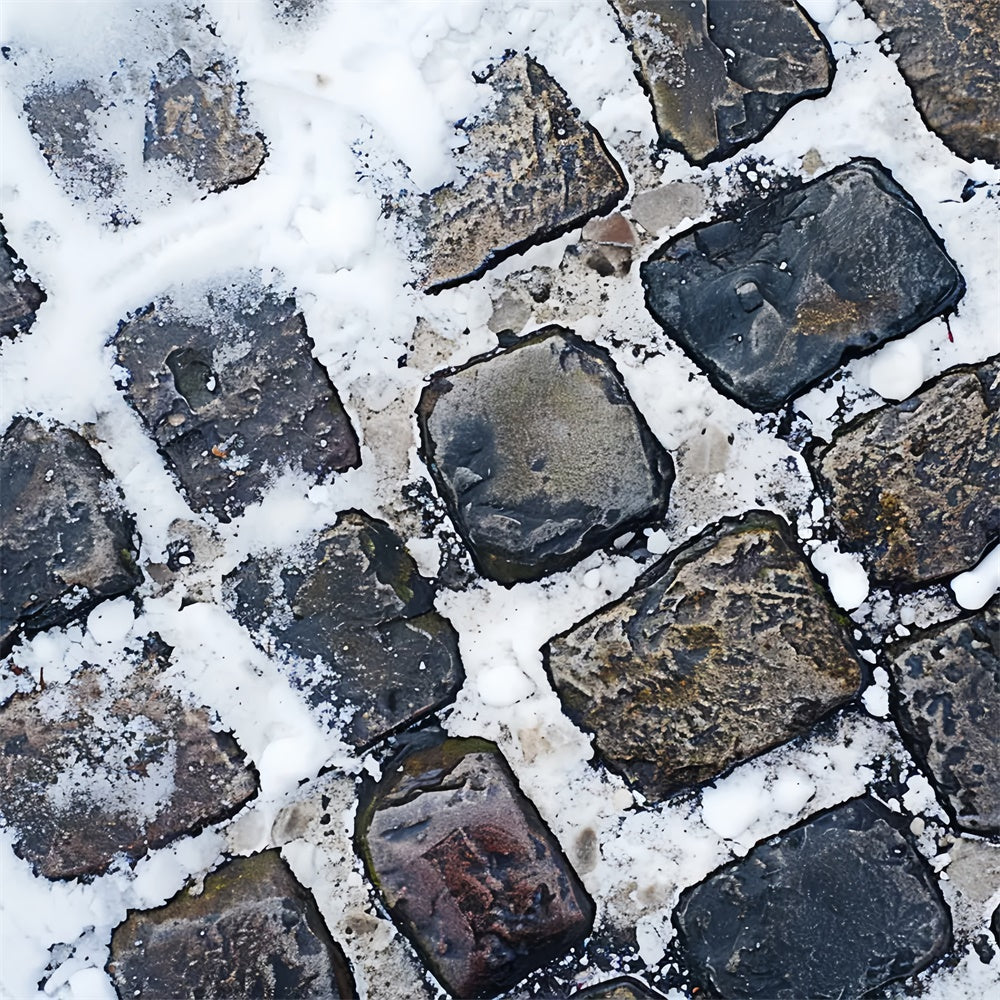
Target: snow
358,101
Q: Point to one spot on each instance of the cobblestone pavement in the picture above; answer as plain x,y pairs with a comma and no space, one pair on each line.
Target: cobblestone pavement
500,499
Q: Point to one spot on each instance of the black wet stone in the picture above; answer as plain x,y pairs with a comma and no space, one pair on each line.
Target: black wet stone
948,52
834,908
531,169
63,121
770,302
623,988
467,868
235,399
947,685
724,649
540,455
20,297
371,651
106,765
720,74
251,931
913,486
200,122
66,542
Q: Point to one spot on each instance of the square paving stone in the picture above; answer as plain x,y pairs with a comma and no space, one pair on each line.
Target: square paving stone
360,621
724,649
251,931
775,299
720,74
832,909
531,170
20,297
947,706
466,866
200,121
540,455
913,486
948,52
105,765
66,542
236,399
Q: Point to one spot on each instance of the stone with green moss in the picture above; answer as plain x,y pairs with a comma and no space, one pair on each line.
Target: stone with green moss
250,931
355,622
540,455
724,649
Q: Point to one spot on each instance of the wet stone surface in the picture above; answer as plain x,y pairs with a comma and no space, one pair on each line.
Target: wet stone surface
252,931
361,619
913,486
540,455
948,52
948,709
623,988
467,868
112,763
771,301
66,542
531,170
720,74
235,401
834,908
20,297
725,649
201,122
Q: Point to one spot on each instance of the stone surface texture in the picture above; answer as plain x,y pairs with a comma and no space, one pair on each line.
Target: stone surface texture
361,619
725,649
720,74
66,542
948,708
467,868
531,170
235,400
540,455
200,122
105,764
835,908
622,988
771,301
252,931
948,52
20,297
913,486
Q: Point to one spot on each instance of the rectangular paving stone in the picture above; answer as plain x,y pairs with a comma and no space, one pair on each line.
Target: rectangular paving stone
724,649
913,486
235,400
719,73
20,297
466,866
835,908
359,621
98,767
251,931
947,706
540,455
773,300
66,540
531,170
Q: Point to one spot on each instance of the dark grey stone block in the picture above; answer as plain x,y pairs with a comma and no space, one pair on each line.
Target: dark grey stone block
361,619
467,868
66,542
235,400
834,908
724,649
540,455
770,302
20,297
252,931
